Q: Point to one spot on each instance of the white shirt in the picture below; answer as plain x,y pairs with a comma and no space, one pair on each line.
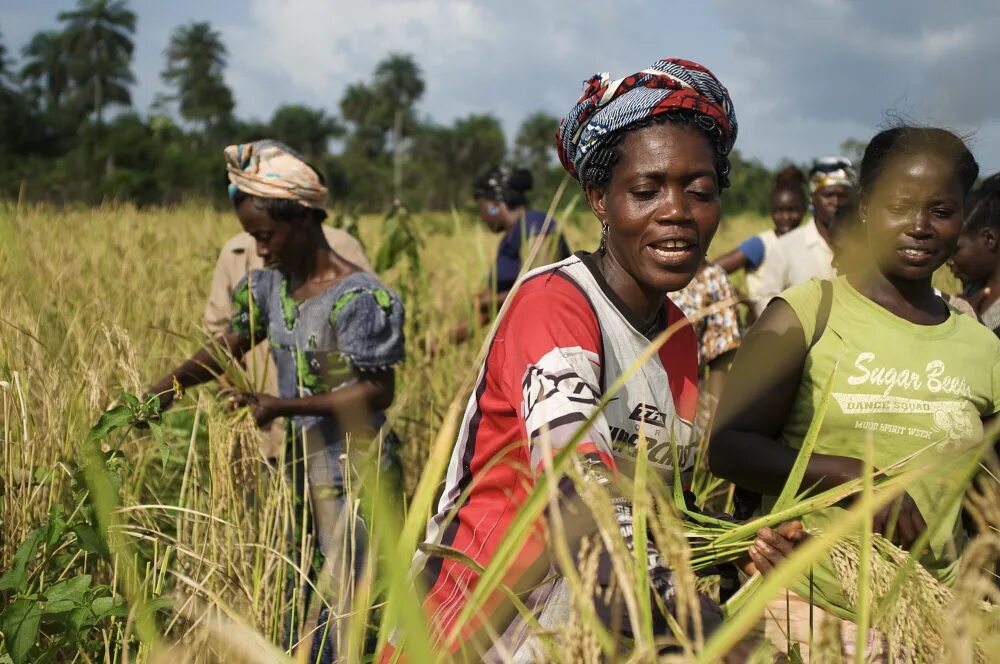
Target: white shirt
798,256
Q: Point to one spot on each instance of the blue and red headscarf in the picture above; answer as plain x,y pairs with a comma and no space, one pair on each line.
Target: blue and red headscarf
609,106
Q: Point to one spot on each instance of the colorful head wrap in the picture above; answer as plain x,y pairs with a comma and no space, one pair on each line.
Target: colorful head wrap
830,171
609,106
270,169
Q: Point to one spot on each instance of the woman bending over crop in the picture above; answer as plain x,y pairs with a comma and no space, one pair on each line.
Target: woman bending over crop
502,197
650,151
909,372
336,334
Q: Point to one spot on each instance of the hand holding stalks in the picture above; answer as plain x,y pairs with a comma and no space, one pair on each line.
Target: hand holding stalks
263,407
773,545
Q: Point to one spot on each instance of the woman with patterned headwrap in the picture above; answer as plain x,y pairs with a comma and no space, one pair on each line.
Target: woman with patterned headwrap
336,334
806,252
501,194
650,151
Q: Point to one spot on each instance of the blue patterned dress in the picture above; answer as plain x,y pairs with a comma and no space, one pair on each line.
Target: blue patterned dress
324,343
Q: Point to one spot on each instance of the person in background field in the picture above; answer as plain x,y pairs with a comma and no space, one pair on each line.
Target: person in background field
336,335
650,151
501,194
718,332
976,262
805,253
788,206
238,257
884,318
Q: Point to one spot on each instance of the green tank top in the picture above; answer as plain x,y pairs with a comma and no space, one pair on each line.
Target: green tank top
912,386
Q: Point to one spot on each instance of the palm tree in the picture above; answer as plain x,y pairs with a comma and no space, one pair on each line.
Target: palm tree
398,81
5,78
46,65
196,58
98,38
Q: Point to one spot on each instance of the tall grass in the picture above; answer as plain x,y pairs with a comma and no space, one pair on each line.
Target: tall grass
195,555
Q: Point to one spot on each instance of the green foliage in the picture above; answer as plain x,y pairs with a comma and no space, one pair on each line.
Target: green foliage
54,607
98,39
450,158
750,186
400,242
196,58
59,147
309,130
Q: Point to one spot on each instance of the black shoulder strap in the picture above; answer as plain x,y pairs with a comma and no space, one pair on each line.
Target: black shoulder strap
823,314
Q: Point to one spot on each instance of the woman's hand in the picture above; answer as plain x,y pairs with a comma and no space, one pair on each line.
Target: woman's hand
263,407
900,521
773,545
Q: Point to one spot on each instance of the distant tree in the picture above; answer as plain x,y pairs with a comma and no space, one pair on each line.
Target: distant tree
854,150
399,83
17,122
46,66
99,41
308,130
361,107
6,78
196,58
750,186
535,144
450,157
478,142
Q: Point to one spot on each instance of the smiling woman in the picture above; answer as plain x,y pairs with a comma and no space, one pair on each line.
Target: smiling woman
905,365
650,153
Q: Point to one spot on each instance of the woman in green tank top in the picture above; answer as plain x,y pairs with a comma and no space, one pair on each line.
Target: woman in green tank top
909,371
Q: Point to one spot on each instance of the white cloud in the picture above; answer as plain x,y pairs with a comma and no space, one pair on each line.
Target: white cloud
804,75
508,59
836,63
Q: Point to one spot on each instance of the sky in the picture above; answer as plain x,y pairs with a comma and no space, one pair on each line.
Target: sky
804,75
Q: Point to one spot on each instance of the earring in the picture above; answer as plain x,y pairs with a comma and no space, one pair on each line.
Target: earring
603,247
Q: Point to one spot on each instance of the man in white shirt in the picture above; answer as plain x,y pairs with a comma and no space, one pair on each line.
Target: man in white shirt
805,252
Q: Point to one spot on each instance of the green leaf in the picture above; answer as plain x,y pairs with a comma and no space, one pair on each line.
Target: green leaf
161,444
56,526
156,604
16,578
109,607
67,595
42,476
90,541
20,628
76,619
131,401
110,420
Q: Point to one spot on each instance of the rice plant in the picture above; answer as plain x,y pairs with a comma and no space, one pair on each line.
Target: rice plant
156,539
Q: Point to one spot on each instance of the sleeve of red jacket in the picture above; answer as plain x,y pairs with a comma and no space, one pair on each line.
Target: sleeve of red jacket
552,369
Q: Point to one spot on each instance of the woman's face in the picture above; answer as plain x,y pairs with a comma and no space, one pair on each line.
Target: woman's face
914,215
975,258
493,213
661,205
278,243
787,210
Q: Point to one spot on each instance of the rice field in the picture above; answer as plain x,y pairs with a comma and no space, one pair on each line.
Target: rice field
171,543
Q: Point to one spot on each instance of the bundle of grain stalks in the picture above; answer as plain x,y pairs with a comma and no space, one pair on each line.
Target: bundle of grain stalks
914,623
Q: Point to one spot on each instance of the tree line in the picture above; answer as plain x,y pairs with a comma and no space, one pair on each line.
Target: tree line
69,132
